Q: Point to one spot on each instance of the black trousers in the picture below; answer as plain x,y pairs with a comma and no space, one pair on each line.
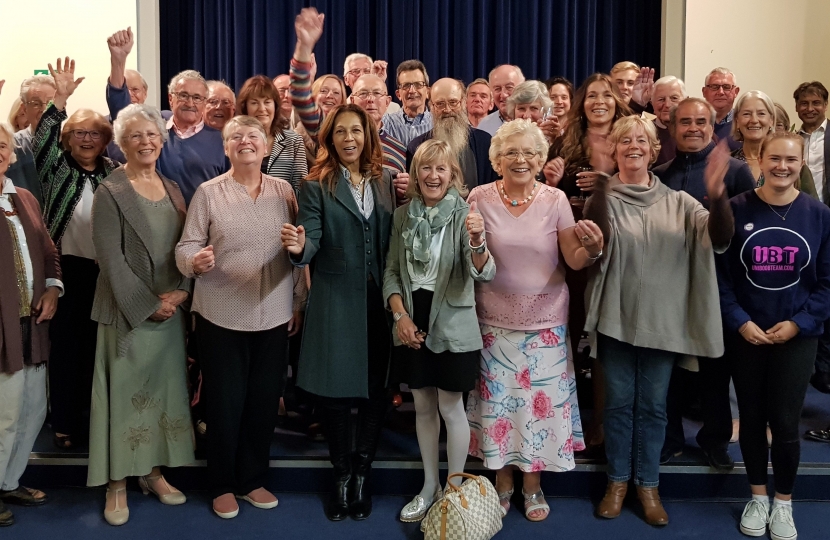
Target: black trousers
823,352
244,376
771,382
74,335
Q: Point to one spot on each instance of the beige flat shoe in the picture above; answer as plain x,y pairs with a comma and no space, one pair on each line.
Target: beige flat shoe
117,516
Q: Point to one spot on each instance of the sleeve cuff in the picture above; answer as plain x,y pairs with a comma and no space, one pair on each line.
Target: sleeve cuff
52,282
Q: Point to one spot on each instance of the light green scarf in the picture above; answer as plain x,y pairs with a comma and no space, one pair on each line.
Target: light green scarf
423,222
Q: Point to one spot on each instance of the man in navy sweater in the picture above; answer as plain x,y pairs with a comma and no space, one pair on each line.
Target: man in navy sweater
720,89
692,125
195,152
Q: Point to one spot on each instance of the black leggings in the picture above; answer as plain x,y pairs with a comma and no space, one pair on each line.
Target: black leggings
771,382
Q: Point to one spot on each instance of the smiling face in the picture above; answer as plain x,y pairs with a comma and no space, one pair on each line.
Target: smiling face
91,146
433,181
479,100
412,91
519,161
245,145
142,142
188,102
754,120
348,137
561,100
664,99
263,109
692,130
811,109
632,152
720,91
624,81
599,104
5,153
219,107
330,95
370,94
358,67
781,163
37,99
138,94
503,81
528,111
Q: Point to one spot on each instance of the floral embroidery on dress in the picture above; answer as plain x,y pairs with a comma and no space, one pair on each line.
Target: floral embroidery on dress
142,401
172,427
138,436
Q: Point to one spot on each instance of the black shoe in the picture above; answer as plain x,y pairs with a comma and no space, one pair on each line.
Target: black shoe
360,497
720,459
821,381
338,434
337,508
6,516
22,496
667,454
371,425
819,435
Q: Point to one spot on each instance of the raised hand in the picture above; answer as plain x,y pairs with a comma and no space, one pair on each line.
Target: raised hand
553,171
293,238
64,75
475,225
204,261
120,44
643,87
716,168
550,127
308,26
379,69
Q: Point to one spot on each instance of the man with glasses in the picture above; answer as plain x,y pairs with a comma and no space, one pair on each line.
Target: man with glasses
35,93
413,91
220,106
358,64
503,79
720,90
282,83
450,124
194,152
369,93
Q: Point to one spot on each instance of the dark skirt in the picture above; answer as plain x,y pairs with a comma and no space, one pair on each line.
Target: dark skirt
422,368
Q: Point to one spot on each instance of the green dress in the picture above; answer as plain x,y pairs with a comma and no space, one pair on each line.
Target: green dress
140,415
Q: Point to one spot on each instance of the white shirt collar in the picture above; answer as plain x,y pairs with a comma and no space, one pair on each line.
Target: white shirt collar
8,186
822,127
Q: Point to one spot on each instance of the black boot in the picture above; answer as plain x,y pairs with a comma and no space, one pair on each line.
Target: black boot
372,415
338,434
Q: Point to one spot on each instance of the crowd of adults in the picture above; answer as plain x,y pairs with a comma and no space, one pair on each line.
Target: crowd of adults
436,244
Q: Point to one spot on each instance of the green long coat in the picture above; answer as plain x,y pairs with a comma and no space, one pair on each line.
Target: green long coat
334,355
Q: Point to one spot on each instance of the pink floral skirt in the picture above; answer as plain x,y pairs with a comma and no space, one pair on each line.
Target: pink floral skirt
523,410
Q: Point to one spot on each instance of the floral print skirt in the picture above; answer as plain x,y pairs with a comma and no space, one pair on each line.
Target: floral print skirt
524,411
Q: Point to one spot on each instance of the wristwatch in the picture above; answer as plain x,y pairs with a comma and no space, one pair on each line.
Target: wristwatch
480,248
398,315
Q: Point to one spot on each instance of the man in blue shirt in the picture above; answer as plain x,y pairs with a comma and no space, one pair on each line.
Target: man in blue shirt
413,90
720,90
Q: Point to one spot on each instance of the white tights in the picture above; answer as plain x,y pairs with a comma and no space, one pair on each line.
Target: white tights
428,403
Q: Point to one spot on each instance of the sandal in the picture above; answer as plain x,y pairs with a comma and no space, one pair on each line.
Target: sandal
23,496
504,501
64,442
535,502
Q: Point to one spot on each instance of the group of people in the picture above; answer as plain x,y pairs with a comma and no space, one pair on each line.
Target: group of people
438,245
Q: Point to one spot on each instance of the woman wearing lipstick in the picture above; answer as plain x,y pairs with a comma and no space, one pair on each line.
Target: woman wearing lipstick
523,412
71,166
343,228
775,296
661,241
285,154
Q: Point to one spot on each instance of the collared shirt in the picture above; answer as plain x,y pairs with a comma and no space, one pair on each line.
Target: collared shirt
404,128
6,206
189,132
814,155
491,123
365,202
726,119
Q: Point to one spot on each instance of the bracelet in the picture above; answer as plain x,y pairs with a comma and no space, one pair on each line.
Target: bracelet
595,257
478,249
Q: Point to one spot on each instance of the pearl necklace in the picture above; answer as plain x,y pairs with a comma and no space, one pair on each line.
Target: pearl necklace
514,202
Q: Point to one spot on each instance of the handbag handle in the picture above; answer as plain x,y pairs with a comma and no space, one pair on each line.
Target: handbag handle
452,486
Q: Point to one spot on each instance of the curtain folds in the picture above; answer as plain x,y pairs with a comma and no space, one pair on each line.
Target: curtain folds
234,39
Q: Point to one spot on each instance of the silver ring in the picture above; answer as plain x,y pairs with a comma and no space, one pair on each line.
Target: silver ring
586,237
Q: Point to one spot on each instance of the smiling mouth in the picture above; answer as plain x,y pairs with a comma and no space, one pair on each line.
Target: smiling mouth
599,112
87,147
247,151
781,175
349,148
521,170
432,186
218,115
633,156
145,152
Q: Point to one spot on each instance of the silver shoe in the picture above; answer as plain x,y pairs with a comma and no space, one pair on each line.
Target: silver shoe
417,507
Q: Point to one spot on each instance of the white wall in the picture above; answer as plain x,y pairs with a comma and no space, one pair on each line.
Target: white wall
770,45
78,29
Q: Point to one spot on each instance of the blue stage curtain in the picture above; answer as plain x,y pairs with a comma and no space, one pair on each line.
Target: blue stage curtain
235,39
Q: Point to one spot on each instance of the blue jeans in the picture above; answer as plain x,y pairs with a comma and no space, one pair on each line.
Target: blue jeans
636,384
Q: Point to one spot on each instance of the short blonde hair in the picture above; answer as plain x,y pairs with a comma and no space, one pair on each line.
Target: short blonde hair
82,115
624,66
242,121
15,110
626,125
435,151
8,130
528,92
739,103
481,81
318,83
517,127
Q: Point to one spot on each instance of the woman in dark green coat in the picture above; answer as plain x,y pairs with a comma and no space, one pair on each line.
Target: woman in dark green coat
343,229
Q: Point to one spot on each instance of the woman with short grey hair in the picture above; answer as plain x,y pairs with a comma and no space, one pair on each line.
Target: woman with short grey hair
530,100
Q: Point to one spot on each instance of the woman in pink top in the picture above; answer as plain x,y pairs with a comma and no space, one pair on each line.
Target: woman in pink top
524,412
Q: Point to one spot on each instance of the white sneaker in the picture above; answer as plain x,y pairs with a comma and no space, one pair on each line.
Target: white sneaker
755,518
781,526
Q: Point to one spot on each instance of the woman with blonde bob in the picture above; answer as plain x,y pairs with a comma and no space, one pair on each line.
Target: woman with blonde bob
17,116
662,241
436,253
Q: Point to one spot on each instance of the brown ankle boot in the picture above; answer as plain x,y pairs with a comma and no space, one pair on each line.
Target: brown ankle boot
611,504
652,507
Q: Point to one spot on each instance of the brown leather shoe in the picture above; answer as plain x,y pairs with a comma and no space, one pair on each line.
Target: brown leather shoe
653,509
611,504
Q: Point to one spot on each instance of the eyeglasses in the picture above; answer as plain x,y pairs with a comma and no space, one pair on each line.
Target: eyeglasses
35,104
513,155
137,137
283,89
184,96
716,87
357,72
364,95
214,102
416,85
81,134
451,103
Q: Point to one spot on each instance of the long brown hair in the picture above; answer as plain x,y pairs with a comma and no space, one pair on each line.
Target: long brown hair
326,169
260,86
575,149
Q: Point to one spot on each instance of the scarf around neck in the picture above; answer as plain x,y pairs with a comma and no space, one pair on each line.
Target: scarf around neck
422,222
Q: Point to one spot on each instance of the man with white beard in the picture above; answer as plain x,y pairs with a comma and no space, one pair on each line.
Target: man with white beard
449,119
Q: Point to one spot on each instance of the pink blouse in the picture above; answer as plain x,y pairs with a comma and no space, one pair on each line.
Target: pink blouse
529,290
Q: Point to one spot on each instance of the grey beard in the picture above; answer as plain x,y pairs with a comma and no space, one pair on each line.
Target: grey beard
454,131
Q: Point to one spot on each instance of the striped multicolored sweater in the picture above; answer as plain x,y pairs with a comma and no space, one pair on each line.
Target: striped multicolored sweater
300,90
60,175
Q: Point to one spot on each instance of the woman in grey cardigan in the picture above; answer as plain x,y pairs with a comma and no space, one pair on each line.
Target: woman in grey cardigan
436,252
140,409
653,296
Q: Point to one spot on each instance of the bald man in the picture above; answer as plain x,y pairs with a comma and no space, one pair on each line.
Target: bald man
449,118
369,93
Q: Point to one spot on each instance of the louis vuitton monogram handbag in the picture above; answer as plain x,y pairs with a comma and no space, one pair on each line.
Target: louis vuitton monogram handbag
469,512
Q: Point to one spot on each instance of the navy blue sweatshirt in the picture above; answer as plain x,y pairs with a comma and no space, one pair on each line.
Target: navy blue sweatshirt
776,269
686,173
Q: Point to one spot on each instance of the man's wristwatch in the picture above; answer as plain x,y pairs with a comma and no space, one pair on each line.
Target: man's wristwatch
398,315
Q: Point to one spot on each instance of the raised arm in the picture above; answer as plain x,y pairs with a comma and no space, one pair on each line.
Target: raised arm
721,222
118,96
308,26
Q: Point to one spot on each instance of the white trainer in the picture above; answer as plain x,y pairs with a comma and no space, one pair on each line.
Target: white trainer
755,518
781,526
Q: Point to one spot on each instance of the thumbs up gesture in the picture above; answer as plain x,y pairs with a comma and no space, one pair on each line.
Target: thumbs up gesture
293,238
475,225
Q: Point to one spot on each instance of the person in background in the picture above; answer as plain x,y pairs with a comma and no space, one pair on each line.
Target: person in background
30,285
634,84
193,152
720,89
369,92
220,105
428,286
667,93
503,79
288,117
530,101
561,92
17,116
782,119
285,157
357,65
413,92
625,75
479,101
772,322
71,166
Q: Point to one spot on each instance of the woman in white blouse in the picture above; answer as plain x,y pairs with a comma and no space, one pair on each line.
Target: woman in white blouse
248,300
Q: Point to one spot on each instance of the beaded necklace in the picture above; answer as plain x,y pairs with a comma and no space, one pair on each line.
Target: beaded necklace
514,202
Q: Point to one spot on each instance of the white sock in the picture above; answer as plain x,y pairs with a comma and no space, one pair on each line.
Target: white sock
763,499
781,502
